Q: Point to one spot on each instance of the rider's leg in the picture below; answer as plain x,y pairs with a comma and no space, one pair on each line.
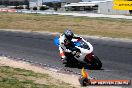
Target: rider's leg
62,54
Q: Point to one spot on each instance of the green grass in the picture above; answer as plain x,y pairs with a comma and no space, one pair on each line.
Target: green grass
107,27
21,78
10,71
15,83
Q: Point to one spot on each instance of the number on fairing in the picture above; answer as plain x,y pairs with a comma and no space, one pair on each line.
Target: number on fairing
77,55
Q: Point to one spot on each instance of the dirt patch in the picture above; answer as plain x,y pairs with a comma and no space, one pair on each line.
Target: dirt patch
70,79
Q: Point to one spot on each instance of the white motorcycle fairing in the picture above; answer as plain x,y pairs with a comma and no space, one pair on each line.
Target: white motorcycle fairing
85,49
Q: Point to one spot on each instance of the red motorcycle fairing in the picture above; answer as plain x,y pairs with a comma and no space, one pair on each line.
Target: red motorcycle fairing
89,57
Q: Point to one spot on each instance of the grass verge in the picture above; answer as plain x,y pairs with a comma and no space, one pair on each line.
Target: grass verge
20,78
106,27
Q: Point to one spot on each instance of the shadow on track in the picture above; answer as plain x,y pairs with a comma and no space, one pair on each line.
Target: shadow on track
73,63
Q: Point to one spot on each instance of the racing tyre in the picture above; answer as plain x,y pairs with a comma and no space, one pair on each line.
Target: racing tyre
96,63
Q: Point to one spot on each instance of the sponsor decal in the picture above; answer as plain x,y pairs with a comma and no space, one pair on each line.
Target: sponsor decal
122,4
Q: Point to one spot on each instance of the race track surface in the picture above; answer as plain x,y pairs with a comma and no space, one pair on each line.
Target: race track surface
116,56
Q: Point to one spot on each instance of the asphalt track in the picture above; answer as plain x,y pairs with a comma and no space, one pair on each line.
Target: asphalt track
116,56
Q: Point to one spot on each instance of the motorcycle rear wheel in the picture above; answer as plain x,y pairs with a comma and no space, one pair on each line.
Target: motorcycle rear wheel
96,63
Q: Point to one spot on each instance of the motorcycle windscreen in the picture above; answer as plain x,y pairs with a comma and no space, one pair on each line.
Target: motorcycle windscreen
81,44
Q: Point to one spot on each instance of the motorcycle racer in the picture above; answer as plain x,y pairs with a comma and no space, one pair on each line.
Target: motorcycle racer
73,48
65,43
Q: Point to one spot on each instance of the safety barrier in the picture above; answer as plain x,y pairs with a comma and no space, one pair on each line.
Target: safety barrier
8,10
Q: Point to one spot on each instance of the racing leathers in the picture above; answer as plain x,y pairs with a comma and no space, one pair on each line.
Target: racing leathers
64,45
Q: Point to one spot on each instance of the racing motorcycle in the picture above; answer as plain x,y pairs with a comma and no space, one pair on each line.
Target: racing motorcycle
82,52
